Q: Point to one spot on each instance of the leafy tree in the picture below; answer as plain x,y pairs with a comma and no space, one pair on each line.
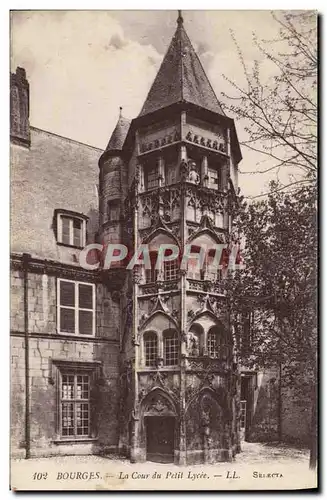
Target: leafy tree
278,104
279,285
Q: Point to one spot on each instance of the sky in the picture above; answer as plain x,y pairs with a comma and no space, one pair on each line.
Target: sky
83,65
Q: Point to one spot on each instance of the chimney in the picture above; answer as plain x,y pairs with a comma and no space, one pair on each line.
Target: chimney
19,108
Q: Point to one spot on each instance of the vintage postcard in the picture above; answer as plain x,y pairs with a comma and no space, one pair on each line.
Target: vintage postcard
163,250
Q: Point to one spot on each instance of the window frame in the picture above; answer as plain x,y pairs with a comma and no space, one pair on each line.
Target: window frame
76,308
94,369
213,170
171,335
154,169
171,267
154,336
212,338
72,216
74,401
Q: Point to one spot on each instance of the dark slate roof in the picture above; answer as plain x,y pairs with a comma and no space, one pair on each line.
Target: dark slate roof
118,136
181,77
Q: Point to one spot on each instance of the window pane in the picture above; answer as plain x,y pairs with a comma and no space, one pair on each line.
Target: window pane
171,349
85,296
75,414
213,345
67,293
65,221
67,419
151,350
82,387
171,270
82,419
152,177
77,232
67,387
86,323
67,320
213,178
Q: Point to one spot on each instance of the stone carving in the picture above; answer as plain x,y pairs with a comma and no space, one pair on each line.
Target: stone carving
195,365
218,145
159,406
193,345
193,175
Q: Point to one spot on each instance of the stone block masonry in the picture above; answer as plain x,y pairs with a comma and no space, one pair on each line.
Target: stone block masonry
48,347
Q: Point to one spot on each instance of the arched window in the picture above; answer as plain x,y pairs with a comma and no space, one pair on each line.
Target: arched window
171,267
214,342
193,265
171,348
150,349
210,269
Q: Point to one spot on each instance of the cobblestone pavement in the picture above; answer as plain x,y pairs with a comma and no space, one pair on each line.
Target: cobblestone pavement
252,453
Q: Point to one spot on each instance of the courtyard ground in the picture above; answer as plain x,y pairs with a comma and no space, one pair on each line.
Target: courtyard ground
258,466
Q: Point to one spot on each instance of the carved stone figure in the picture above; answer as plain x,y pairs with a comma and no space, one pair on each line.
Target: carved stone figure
193,344
193,175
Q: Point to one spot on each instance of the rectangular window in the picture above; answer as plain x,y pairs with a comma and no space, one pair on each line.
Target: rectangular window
152,176
213,178
71,231
171,270
213,346
75,405
170,172
171,350
113,209
151,350
76,307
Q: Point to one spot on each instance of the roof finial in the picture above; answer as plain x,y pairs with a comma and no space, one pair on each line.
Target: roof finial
180,18
120,111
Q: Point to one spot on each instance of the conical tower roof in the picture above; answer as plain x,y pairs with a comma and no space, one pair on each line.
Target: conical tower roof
119,134
181,77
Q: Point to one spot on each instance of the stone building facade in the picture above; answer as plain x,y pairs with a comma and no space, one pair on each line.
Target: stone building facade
141,361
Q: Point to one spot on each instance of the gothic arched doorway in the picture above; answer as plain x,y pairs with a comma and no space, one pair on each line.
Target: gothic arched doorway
160,428
160,438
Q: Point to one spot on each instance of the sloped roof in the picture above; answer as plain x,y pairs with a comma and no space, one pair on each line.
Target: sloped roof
181,77
119,134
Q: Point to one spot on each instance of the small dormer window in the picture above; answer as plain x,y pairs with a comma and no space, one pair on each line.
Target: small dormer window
71,228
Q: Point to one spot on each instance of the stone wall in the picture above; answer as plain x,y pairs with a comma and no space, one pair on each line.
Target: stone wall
46,347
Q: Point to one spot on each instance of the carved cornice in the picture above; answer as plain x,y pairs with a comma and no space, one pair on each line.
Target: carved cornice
53,268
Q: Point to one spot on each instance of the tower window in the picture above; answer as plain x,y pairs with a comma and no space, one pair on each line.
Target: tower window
171,349
213,346
71,228
113,210
151,275
171,270
151,176
213,178
150,349
210,271
214,343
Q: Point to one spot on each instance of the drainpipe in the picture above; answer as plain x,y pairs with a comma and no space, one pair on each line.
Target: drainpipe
26,258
